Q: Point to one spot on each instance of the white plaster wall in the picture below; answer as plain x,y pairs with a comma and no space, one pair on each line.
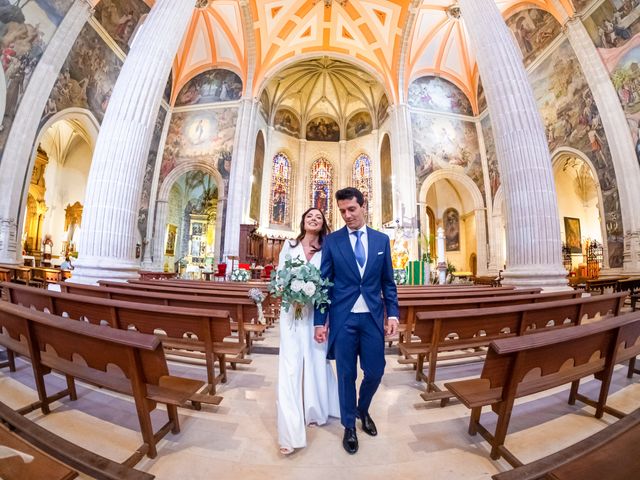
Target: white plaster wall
66,184
174,216
571,205
441,196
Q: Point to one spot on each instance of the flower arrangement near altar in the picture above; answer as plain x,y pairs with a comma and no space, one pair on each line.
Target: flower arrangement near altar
299,283
239,275
258,297
400,277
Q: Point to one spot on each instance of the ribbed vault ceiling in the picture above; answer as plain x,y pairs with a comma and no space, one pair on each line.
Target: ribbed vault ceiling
397,41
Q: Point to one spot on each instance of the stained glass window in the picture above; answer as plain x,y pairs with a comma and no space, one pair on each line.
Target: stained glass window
322,187
280,191
361,179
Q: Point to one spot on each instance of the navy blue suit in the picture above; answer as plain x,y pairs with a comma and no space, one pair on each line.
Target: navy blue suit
357,334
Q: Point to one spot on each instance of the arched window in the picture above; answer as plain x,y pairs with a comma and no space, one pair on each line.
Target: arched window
280,191
322,187
361,179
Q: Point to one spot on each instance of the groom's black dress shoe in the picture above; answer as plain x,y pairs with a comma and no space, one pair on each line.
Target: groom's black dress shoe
350,440
367,425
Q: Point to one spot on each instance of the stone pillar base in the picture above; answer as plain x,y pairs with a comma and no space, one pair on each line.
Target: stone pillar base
543,276
90,270
631,264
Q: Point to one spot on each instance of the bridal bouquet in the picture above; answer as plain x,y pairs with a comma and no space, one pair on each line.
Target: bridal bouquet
299,283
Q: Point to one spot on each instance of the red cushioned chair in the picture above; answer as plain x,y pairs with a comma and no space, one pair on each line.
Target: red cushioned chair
244,266
221,273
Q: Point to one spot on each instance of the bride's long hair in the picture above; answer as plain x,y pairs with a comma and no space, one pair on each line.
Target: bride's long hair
324,231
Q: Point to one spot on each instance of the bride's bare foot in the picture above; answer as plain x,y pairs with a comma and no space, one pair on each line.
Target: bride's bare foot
313,424
286,450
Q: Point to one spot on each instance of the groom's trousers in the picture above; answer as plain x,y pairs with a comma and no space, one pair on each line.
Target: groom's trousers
358,337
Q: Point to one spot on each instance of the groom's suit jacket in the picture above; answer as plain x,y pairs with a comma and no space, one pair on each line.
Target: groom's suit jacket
376,284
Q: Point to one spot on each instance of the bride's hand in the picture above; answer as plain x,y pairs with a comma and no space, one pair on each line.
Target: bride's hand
320,334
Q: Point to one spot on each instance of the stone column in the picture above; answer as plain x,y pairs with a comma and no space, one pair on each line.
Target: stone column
113,189
403,169
300,190
153,256
533,226
616,127
265,197
403,166
160,222
490,268
442,259
18,158
239,178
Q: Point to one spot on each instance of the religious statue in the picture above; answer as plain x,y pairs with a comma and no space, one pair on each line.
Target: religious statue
400,250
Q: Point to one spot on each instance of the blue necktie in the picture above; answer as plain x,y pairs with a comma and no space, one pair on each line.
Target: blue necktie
359,249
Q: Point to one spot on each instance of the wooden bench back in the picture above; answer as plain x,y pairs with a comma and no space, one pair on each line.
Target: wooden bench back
241,308
485,324
410,307
86,351
195,284
174,321
162,288
523,366
209,326
492,292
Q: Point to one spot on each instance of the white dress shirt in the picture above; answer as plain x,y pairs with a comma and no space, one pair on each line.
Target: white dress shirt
360,306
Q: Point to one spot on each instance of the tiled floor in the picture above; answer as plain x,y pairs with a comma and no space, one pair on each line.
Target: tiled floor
238,439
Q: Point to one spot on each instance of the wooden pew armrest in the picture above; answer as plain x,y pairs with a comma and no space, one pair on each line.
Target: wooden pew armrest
476,392
173,390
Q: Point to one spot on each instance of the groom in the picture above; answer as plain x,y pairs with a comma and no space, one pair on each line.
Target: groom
357,259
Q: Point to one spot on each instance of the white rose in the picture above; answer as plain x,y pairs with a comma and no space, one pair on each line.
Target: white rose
297,285
309,289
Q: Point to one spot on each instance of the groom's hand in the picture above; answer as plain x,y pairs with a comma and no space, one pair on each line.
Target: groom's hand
392,326
320,334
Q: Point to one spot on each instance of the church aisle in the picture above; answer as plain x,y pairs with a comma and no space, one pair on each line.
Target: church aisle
238,439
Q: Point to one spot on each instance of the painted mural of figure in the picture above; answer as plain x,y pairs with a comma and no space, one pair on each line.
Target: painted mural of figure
524,35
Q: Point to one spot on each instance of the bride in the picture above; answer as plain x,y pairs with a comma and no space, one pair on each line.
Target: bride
307,386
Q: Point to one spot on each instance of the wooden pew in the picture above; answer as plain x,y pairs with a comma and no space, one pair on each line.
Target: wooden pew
244,312
602,283
476,292
54,457
136,361
5,275
146,275
610,454
178,325
520,366
454,330
46,276
409,308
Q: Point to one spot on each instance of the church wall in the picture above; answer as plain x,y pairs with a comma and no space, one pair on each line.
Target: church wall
367,145
87,77
174,217
572,119
66,185
614,28
571,205
147,182
29,28
445,142
440,197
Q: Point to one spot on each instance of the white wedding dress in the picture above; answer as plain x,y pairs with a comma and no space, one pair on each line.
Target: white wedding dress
307,385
